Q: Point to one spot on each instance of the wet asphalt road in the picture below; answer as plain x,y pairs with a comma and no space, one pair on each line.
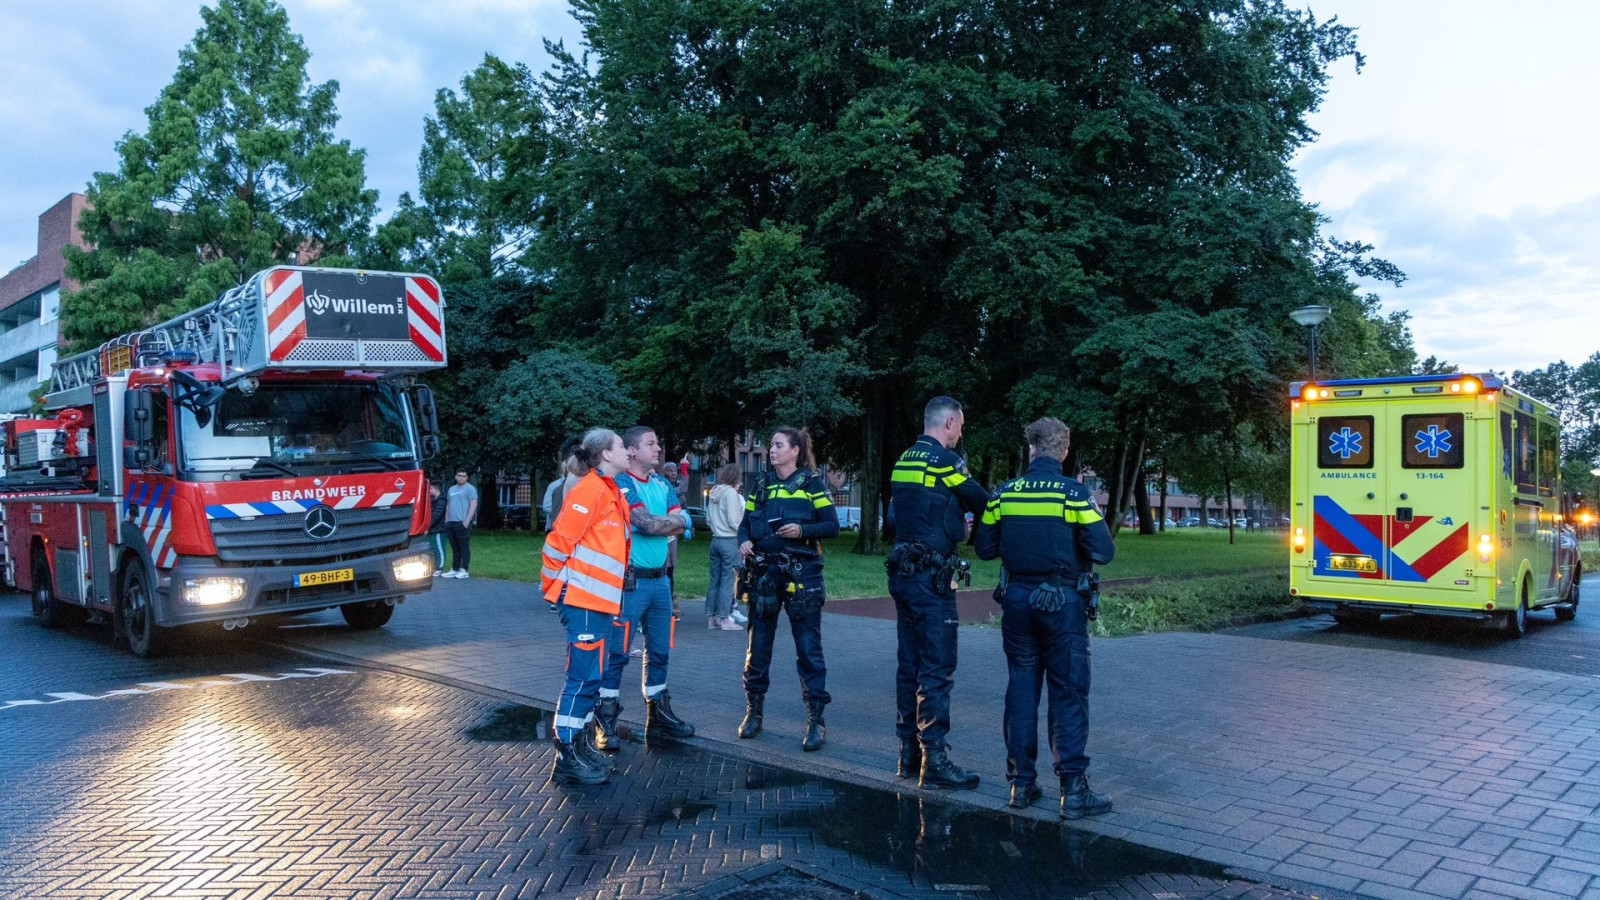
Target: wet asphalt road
232,769
1571,648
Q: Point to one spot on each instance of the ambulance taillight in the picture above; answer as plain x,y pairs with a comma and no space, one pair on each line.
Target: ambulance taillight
1299,540
1485,547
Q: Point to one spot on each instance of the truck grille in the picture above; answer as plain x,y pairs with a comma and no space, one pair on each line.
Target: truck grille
282,539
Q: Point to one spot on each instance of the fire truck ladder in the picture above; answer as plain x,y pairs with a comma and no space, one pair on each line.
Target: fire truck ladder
211,333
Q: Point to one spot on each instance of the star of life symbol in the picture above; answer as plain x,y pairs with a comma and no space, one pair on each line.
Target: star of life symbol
1433,441
1345,443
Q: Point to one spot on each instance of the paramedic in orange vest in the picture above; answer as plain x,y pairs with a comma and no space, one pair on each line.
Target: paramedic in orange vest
585,560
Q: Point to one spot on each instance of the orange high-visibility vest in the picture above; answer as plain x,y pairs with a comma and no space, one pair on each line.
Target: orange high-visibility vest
586,551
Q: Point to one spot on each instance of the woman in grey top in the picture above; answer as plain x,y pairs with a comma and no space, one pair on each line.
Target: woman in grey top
724,510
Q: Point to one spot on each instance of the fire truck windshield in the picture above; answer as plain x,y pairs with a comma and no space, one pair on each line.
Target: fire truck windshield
286,430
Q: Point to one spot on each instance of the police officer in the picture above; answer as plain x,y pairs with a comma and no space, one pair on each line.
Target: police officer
785,517
930,495
1046,531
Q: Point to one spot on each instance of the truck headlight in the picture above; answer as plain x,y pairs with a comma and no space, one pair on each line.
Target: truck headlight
413,568
213,591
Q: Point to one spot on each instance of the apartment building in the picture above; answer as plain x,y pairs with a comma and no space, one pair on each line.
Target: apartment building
30,306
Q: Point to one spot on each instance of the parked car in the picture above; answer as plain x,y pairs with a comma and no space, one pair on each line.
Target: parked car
517,515
849,518
697,516
1187,522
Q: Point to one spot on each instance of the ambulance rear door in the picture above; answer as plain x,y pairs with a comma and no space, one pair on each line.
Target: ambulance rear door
1349,495
1437,452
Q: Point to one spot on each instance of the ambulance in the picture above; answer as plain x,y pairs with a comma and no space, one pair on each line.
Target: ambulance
1434,494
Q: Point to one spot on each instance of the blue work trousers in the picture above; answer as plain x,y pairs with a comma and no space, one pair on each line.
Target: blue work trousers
647,611
805,622
586,646
926,626
1045,648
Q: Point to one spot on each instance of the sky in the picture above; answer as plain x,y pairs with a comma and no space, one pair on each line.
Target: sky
1462,150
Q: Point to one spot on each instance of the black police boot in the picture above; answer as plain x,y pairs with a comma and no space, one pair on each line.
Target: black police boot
754,708
939,772
1078,801
816,729
574,769
910,758
1024,795
605,725
583,744
663,722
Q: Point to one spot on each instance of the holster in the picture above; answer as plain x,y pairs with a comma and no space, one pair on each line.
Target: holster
952,571
1089,589
1000,589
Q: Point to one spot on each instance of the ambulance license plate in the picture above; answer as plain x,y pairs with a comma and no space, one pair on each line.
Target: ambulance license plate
1352,564
332,576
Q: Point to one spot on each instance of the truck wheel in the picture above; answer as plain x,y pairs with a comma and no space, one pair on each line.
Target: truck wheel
50,612
1568,611
370,614
1515,622
136,615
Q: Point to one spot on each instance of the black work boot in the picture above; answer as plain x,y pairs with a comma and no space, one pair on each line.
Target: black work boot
816,729
1024,795
663,722
605,725
910,758
572,768
1078,801
583,743
939,772
754,707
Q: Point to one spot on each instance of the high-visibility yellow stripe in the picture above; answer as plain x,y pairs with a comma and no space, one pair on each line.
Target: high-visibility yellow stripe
821,502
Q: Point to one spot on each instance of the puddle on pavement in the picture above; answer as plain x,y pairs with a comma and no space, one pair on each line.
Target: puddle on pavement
995,853
512,722
934,843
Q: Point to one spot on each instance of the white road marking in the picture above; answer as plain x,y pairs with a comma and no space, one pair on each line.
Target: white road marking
152,687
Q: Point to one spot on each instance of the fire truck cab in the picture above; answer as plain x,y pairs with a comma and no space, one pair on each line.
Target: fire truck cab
1436,494
258,456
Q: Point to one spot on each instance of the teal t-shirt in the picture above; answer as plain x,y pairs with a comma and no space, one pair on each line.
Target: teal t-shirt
658,499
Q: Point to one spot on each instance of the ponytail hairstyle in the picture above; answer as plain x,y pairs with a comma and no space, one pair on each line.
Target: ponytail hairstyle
800,438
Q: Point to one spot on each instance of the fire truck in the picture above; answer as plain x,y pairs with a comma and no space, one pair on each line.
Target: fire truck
258,456
1436,494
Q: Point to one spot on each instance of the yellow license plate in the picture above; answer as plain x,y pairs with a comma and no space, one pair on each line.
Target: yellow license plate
1352,564
332,576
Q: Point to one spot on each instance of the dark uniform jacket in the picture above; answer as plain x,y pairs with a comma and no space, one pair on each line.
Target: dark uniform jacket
801,499
1044,524
930,495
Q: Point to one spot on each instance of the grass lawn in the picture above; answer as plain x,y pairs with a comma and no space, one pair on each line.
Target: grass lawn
514,556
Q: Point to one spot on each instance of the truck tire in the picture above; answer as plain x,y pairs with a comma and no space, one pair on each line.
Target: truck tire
136,616
50,612
1515,623
368,614
1568,611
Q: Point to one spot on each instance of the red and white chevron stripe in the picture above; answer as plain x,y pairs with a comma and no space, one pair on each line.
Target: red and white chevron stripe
425,313
286,312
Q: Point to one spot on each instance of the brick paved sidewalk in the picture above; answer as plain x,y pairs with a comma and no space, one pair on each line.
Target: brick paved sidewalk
1372,772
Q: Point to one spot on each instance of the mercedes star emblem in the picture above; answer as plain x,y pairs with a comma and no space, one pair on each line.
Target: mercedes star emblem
321,523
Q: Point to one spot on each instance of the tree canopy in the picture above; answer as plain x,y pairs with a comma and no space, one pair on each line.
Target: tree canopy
239,170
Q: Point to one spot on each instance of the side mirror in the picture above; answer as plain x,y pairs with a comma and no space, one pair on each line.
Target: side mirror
137,406
430,446
427,410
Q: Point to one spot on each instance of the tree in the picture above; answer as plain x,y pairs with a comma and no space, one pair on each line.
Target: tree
981,196
238,171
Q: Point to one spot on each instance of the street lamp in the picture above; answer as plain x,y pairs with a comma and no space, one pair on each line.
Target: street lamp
1311,317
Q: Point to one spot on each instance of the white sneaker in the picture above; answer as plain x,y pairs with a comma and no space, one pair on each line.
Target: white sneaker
462,573
453,573
739,618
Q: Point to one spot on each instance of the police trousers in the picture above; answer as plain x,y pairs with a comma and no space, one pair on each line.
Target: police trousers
586,642
1045,648
805,623
646,610
926,623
